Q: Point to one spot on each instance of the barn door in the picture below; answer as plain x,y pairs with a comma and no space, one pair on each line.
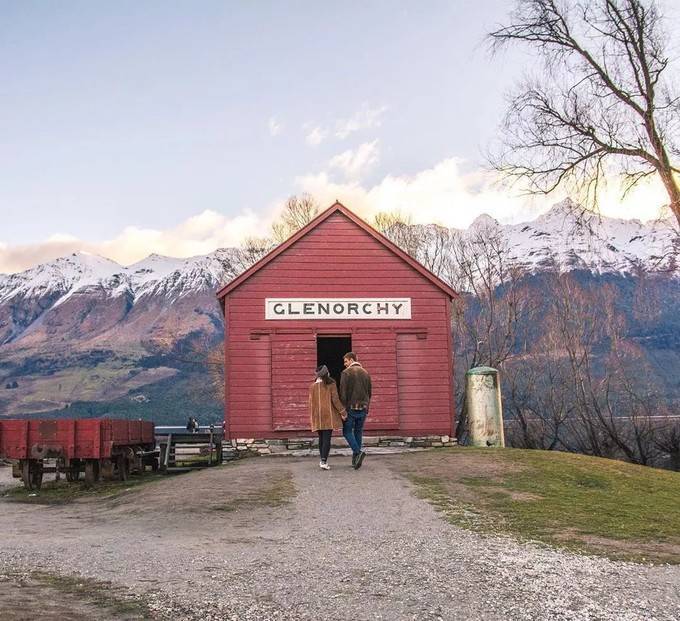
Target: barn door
414,384
293,364
377,353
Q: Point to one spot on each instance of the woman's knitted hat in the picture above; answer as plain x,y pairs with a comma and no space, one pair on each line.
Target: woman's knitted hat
321,371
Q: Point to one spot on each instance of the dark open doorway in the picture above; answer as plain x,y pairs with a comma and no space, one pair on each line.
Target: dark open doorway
330,350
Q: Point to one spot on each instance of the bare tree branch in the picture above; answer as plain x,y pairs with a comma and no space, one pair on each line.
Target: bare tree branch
603,104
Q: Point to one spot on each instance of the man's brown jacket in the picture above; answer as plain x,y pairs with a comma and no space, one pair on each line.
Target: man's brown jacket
355,387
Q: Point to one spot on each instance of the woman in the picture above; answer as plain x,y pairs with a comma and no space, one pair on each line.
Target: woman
325,411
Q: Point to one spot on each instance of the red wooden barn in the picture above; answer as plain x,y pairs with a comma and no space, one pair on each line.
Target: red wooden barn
335,286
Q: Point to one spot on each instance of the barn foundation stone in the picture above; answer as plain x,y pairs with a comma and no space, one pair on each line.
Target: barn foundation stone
297,446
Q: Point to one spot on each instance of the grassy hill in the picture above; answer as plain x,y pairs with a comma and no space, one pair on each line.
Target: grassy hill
163,388
586,504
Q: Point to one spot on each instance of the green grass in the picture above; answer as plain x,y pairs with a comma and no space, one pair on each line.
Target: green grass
584,503
594,496
62,492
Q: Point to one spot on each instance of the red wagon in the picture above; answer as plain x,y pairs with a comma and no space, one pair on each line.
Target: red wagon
97,446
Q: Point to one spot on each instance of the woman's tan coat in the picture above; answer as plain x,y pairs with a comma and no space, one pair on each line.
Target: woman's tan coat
325,408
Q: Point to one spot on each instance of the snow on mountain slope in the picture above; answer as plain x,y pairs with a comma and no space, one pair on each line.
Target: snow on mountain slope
63,276
155,275
94,302
169,277
559,239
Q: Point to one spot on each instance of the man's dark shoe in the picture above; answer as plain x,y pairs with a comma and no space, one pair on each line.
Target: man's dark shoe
354,459
359,460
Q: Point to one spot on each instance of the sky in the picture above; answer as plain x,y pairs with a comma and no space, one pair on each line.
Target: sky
131,127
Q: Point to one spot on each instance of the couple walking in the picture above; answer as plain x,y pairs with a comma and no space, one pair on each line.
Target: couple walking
329,410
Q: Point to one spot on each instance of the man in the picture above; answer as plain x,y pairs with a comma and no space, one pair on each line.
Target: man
355,394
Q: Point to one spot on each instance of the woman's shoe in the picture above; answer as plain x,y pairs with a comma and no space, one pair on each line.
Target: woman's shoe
324,466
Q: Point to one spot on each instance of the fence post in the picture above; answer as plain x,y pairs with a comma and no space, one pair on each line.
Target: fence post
484,408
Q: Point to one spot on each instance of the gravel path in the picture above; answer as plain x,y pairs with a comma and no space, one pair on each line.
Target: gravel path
350,545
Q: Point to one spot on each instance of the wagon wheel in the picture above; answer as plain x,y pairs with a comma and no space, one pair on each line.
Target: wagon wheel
91,472
139,465
106,470
37,475
123,466
31,474
72,471
154,464
26,474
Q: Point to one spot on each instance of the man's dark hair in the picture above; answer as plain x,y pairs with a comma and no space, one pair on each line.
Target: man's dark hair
351,355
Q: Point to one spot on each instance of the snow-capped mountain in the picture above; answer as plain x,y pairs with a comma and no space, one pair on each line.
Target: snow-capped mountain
562,239
155,275
64,276
84,294
173,278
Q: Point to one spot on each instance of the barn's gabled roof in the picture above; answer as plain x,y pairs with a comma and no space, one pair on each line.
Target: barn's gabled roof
322,217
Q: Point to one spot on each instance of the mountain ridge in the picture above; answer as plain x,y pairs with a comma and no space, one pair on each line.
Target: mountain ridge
563,218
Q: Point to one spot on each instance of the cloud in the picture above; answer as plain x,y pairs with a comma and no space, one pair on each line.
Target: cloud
365,118
61,238
444,194
199,234
355,163
449,193
316,136
275,127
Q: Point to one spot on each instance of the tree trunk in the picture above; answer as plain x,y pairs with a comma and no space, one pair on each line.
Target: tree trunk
673,189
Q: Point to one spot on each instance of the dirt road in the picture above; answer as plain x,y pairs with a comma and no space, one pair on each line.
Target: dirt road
278,538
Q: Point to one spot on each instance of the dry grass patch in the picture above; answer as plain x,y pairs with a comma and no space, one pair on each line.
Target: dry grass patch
53,597
62,492
276,491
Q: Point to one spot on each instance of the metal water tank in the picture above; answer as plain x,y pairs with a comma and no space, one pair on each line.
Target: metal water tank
484,408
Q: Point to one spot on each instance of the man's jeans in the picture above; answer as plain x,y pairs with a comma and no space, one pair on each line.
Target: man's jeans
353,429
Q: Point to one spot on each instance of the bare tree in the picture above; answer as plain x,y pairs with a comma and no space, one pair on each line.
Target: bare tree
399,229
437,251
297,213
605,101
498,303
252,250
493,310
430,244
607,391
537,398
211,357
572,379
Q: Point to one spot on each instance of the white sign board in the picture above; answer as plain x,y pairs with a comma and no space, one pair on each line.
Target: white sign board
338,308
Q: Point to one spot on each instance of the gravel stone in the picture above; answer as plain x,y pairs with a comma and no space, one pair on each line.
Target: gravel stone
352,544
